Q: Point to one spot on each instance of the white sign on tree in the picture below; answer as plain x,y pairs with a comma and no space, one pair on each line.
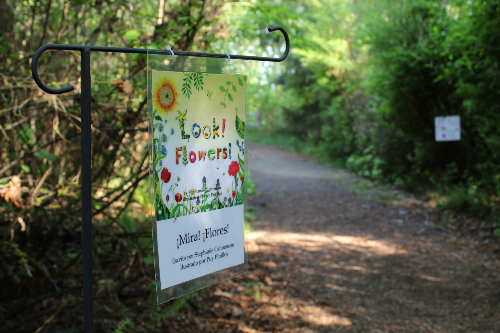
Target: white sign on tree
447,128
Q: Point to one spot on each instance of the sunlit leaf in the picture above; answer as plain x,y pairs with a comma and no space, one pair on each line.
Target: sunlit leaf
132,35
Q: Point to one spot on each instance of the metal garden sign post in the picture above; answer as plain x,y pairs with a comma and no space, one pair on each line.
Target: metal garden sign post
86,137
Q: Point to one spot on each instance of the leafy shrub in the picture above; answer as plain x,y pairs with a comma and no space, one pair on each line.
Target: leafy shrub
457,200
430,60
367,165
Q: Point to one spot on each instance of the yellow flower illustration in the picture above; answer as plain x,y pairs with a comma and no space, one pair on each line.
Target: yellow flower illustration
165,95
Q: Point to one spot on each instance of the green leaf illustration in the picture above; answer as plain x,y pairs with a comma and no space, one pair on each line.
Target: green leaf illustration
179,206
242,163
226,91
198,81
186,86
240,82
240,126
158,118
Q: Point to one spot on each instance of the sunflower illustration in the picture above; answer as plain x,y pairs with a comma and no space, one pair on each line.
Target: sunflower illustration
165,95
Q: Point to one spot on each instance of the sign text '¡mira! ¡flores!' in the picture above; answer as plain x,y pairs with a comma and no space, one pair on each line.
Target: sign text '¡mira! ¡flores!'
208,233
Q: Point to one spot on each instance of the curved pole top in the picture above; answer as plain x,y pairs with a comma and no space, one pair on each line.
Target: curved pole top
38,53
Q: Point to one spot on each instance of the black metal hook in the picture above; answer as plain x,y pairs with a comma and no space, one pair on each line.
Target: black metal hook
55,91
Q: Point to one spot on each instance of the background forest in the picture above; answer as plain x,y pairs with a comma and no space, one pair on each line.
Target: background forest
360,88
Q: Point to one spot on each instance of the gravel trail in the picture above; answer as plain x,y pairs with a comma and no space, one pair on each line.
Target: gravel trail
337,260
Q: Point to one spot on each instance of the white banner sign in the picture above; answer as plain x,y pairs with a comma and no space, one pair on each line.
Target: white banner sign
447,128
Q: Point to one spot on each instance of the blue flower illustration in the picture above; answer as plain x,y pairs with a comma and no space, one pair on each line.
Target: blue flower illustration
160,163
155,147
160,127
166,121
164,137
163,150
172,131
218,183
204,179
197,200
229,201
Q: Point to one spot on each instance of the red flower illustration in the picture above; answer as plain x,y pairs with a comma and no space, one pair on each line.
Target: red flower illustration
165,175
234,167
242,179
178,197
234,194
168,197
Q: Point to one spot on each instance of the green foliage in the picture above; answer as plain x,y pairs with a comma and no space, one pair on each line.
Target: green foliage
45,154
456,200
250,186
160,313
132,35
433,59
122,325
41,138
253,289
496,227
367,165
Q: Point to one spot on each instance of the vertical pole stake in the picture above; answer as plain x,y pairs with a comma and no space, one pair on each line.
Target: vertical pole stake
86,193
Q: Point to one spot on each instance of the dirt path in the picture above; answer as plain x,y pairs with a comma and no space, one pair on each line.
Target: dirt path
326,259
